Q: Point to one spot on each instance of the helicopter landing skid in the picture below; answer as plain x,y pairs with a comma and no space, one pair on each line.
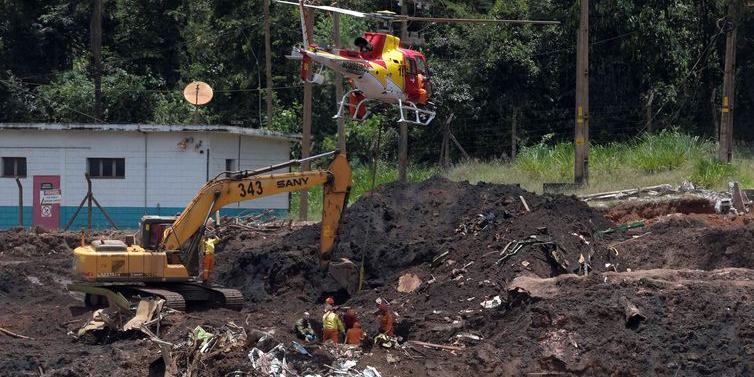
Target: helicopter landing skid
409,112
356,108
419,116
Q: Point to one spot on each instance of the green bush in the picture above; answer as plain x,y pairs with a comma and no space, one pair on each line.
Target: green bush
710,173
547,162
666,150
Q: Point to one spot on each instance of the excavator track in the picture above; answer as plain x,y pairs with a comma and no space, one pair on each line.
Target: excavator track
203,295
233,299
173,300
178,296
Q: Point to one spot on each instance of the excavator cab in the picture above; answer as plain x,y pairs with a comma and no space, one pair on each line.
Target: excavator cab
152,229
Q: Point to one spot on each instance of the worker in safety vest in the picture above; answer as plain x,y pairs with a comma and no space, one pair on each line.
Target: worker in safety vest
208,262
332,325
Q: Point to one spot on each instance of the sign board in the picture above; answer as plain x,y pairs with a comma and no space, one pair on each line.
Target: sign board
47,201
51,196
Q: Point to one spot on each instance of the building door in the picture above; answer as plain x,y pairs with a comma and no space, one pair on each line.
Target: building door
47,199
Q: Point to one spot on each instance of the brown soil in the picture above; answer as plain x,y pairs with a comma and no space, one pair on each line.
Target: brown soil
691,280
634,210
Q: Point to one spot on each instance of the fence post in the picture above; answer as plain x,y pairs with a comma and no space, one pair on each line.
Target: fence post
20,203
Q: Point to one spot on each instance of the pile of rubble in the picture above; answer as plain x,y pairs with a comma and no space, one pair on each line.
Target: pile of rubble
654,201
484,280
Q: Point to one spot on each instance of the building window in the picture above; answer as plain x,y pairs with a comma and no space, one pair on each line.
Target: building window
14,167
230,164
106,167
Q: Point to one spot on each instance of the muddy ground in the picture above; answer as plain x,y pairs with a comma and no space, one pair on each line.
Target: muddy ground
688,274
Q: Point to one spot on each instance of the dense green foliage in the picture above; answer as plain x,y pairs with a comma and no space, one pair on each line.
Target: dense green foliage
668,53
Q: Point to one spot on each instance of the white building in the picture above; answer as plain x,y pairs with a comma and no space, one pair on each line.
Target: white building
135,169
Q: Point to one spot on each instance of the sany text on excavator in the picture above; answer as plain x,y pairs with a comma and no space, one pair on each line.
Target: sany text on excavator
165,260
382,70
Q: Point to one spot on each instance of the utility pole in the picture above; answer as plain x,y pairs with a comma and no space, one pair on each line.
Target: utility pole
268,61
581,165
339,84
303,209
725,143
96,41
403,149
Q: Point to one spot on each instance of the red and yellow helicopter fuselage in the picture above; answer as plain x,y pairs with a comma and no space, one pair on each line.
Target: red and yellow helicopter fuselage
382,70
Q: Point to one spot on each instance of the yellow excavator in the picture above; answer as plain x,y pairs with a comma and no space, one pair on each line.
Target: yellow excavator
165,260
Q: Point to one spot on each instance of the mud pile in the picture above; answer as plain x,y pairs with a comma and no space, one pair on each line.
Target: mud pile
36,242
529,312
634,210
397,227
680,242
451,235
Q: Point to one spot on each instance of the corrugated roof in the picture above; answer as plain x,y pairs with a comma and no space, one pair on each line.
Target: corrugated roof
152,128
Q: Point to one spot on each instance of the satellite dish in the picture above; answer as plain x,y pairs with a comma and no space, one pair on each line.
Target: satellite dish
198,93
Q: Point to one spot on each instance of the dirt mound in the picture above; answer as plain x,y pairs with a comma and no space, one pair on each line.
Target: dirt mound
679,242
397,227
36,242
693,324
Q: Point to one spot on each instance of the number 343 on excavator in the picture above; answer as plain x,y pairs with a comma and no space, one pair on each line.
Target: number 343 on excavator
163,258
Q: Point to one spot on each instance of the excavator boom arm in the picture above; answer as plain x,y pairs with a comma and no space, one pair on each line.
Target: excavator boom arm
220,192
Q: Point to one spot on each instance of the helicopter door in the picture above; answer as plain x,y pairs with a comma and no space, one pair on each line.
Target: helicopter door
412,84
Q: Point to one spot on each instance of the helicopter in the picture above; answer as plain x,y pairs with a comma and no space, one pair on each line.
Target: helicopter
380,70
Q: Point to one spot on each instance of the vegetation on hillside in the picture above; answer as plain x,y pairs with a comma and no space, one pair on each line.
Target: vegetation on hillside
652,63
667,157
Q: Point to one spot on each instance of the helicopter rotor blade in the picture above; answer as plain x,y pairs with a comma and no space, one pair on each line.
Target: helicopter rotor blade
399,18
328,9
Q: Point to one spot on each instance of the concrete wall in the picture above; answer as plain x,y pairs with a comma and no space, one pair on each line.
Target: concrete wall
161,177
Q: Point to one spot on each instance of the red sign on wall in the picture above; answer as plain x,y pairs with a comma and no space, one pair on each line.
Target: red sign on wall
47,200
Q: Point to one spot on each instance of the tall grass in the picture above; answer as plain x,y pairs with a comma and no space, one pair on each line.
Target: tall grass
665,157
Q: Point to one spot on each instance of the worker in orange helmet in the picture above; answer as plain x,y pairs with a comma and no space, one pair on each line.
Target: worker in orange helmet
387,318
355,334
332,325
386,338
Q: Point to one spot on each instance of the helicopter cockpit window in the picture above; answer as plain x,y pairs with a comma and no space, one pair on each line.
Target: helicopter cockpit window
421,66
411,67
363,44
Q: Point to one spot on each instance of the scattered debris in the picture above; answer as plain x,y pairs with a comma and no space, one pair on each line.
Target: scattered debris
658,190
492,303
148,312
408,283
438,346
12,334
621,228
526,205
633,315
